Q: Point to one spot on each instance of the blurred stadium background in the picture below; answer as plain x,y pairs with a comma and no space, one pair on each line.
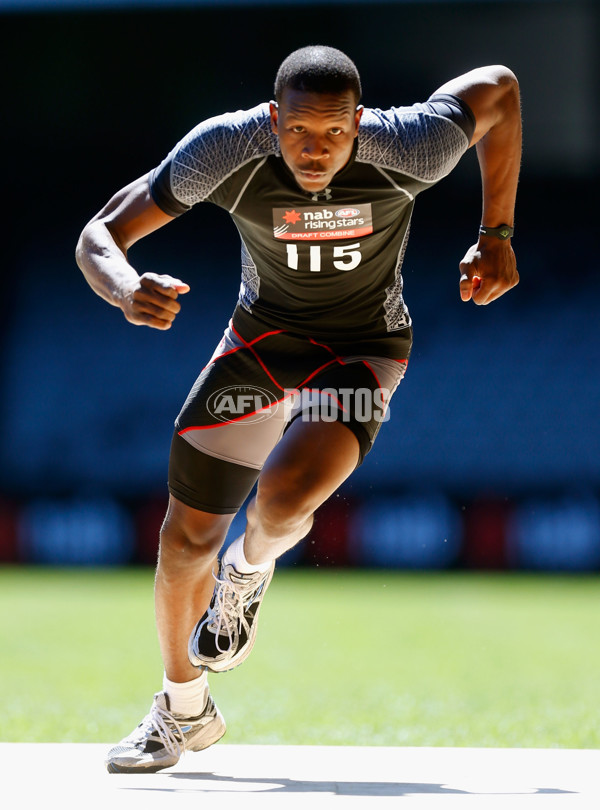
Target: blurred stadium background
492,457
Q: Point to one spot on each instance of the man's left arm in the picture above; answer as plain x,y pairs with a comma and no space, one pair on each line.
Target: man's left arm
489,268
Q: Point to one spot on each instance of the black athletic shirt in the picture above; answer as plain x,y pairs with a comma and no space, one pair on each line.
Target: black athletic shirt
324,264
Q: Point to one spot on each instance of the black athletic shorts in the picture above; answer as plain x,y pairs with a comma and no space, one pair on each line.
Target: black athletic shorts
254,387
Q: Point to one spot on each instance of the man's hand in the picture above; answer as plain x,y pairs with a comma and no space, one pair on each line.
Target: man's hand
488,270
152,301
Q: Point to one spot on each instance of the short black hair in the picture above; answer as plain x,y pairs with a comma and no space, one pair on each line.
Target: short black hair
318,69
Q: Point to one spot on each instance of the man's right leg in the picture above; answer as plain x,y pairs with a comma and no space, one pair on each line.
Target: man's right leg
189,543
213,466
183,716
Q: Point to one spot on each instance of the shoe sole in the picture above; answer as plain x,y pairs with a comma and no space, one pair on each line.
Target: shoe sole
227,664
199,745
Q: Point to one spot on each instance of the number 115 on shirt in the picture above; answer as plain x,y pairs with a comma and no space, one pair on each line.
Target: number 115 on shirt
345,257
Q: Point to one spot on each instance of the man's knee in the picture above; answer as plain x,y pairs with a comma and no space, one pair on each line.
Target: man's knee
310,463
284,500
189,534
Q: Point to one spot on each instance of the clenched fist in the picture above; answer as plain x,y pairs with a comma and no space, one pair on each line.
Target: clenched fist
152,301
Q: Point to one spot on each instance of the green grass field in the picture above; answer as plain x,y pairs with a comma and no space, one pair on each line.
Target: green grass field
343,657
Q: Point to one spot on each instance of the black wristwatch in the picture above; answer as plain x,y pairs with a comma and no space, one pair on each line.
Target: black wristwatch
502,232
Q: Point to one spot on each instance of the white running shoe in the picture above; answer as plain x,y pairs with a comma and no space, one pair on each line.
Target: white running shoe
161,738
225,635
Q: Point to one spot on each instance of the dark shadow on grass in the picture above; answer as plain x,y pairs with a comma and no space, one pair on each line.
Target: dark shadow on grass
212,781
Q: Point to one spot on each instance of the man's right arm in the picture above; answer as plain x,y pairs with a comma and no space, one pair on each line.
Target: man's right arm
149,299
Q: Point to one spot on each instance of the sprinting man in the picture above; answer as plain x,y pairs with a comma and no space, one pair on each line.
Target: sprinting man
321,190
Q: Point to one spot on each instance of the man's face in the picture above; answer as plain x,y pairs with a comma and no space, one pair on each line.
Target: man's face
316,134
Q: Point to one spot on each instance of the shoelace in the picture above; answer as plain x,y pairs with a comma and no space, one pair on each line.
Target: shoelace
157,721
228,609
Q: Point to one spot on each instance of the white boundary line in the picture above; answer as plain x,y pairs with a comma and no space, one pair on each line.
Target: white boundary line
311,777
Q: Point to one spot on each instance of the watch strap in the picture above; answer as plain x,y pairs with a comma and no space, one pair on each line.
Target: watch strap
502,232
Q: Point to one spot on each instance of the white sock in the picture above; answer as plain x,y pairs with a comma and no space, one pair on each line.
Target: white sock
187,699
235,556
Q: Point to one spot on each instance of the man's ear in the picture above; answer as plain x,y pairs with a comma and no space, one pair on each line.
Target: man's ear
274,111
357,116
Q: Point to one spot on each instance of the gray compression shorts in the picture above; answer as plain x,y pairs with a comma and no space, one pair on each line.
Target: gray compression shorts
252,390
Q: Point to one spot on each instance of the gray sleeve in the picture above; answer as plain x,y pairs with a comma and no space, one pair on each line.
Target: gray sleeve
455,109
424,142
211,153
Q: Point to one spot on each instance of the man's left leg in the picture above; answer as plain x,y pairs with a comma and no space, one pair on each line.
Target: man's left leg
307,466
305,469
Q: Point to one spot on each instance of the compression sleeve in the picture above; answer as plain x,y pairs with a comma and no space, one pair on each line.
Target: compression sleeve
455,109
205,163
160,189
